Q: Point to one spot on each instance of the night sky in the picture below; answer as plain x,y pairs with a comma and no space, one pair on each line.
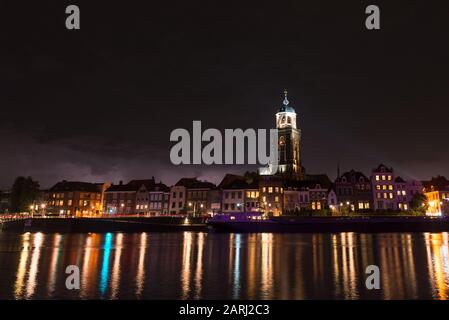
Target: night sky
98,104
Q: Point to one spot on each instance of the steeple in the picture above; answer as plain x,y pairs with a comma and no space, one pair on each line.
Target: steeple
285,102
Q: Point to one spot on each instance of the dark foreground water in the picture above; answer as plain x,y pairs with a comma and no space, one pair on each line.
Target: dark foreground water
224,266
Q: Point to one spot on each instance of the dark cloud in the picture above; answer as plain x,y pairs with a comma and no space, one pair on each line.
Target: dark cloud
100,103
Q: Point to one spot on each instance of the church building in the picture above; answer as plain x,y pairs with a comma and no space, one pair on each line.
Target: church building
289,144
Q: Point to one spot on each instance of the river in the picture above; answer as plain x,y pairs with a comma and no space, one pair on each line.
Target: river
190,265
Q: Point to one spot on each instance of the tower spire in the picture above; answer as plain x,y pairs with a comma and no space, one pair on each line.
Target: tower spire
285,102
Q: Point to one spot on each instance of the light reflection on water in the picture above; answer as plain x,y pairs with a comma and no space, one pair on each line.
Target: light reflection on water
224,266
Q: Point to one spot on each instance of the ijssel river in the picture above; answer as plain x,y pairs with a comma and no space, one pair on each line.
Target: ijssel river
224,266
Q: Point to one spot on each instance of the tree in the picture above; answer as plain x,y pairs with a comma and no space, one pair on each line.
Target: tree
24,193
419,202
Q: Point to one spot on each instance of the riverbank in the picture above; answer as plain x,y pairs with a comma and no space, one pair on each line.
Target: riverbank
130,224
287,224
335,224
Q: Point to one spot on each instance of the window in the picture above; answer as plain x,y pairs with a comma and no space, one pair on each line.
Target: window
264,189
383,177
173,204
389,178
276,199
391,195
390,187
384,187
270,189
377,178
378,187
69,202
276,189
366,205
360,205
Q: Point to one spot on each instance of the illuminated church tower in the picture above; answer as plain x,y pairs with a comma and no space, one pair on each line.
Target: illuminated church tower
289,141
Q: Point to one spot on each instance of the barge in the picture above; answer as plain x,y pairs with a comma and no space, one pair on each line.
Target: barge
255,222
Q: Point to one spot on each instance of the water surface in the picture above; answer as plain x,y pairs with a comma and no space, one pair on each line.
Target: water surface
192,265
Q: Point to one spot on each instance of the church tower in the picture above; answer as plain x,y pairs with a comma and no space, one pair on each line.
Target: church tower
289,144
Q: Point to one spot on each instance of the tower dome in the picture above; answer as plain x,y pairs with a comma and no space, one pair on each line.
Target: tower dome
286,115
285,105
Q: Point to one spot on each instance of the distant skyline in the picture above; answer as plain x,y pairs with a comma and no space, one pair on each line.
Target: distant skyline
98,104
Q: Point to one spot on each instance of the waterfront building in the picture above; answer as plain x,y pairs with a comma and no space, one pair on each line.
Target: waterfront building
382,184
153,199
73,198
271,193
194,197
437,193
122,198
292,196
315,192
353,189
239,195
402,194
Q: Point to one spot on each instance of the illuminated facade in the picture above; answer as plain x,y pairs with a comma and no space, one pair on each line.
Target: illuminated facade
289,143
271,193
382,179
240,196
353,189
72,198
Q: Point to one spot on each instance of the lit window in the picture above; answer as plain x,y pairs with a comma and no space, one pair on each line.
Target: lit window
366,205
378,187
405,206
383,177
390,187
264,189
403,192
270,189
377,178
385,195
389,178
391,195
276,199
318,205
264,199
384,187
360,205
